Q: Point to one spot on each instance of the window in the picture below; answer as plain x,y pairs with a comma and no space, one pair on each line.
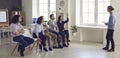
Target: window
88,11
92,12
102,11
44,8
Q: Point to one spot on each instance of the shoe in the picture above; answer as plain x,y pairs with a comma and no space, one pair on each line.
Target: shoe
105,48
111,50
50,48
68,44
21,53
68,40
45,49
60,46
64,45
54,47
40,46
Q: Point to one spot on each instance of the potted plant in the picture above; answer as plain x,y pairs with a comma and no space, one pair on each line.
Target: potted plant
74,29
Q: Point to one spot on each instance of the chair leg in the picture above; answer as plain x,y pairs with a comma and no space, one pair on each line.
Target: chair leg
32,46
15,48
38,45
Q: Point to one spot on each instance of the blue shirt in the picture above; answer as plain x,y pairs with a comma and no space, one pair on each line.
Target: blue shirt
111,23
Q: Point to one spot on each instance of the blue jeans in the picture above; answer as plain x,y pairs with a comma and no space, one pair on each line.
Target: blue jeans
23,41
64,34
58,38
42,37
109,38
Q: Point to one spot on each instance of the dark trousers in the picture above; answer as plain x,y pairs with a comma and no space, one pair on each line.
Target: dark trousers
42,37
67,34
23,41
64,34
109,38
58,38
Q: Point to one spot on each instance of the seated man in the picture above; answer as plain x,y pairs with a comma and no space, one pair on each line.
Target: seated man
53,28
50,37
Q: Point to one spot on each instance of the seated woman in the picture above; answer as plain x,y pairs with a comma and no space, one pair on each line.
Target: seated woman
51,37
64,33
16,31
39,32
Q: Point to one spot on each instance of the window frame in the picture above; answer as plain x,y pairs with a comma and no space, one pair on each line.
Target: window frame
49,11
95,14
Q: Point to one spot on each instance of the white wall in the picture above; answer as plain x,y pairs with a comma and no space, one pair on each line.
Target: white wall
116,5
71,13
27,7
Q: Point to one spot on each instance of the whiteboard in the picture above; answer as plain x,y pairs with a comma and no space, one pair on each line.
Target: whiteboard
3,16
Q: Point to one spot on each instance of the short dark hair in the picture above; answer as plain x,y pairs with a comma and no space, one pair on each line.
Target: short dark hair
110,7
39,20
15,19
51,15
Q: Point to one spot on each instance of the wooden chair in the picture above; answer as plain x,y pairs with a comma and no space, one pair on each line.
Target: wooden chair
28,34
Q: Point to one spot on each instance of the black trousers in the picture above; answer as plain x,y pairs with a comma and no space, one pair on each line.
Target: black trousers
109,38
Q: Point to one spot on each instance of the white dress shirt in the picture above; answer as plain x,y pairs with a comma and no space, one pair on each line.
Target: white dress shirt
38,29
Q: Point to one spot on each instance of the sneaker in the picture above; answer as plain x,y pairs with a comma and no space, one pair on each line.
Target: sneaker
105,48
40,46
45,49
50,48
60,46
111,50
68,40
68,44
21,53
64,45
54,47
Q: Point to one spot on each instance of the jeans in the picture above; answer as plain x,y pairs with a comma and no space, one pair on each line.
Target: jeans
64,34
23,41
42,37
109,38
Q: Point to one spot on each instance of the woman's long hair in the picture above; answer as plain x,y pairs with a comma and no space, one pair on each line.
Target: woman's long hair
39,20
15,19
59,19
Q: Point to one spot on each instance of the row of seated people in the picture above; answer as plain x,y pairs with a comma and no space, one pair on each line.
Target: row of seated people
44,32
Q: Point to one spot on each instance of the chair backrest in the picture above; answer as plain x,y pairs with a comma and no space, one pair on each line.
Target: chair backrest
27,33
